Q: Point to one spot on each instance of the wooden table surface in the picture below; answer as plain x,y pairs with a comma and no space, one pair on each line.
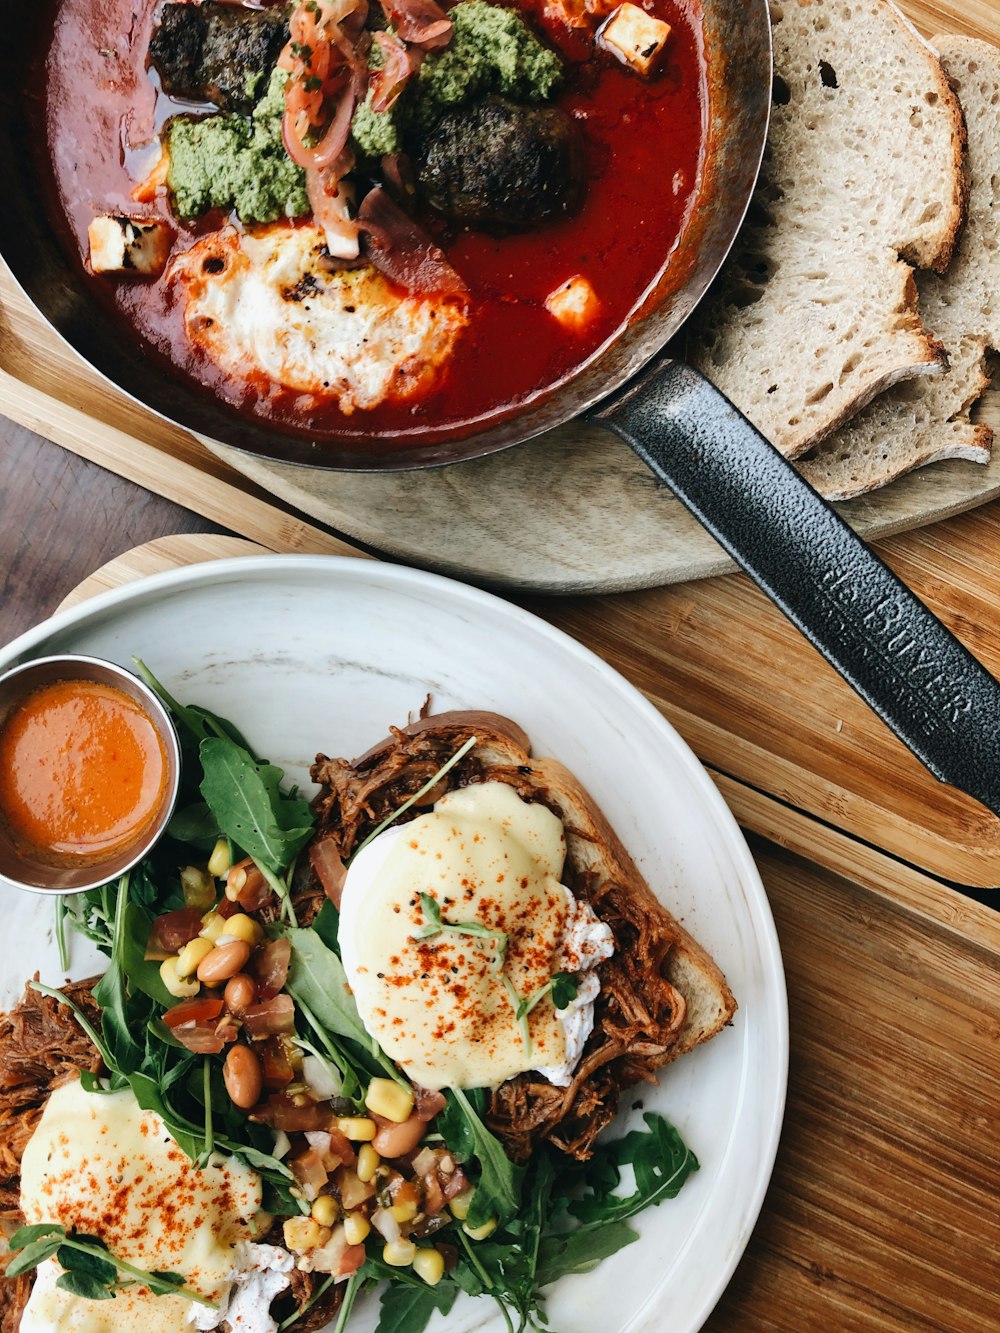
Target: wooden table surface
882,1212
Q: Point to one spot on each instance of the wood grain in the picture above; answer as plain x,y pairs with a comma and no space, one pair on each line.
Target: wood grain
881,1213
156,557
756,702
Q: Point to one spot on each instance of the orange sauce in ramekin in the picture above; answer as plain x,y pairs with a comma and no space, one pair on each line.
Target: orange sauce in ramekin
83,771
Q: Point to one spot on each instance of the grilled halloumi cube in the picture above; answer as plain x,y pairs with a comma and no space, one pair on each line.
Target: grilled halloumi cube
634,37
124,245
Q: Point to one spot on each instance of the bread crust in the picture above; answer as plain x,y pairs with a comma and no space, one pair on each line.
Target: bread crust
661,993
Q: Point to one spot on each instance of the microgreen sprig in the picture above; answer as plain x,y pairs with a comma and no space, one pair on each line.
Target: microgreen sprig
436,925
92,1271
429,785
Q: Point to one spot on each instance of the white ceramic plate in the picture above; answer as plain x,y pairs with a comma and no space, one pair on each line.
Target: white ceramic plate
309,653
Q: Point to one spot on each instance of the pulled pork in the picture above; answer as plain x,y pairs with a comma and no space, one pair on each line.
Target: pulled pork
41,1047
638,1013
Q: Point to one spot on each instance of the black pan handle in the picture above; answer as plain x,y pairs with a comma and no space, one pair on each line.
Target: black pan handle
881,638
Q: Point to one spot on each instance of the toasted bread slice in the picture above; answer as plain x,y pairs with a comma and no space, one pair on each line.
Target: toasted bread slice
661,994
816,312
930,419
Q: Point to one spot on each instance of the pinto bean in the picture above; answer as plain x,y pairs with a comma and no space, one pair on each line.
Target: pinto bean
243,1078
394,1140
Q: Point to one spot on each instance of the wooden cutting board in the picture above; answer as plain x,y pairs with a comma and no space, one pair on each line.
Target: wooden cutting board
572,511
882,1212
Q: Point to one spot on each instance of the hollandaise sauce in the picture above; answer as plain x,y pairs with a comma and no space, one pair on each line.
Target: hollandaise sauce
102,1166
443,1003
83,771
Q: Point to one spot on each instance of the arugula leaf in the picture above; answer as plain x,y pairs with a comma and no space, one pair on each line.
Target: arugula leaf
327,926
407,1309
198,722
195,824
498,1190
454,1125
246,800
318,984
580,1251
111,993
660,1160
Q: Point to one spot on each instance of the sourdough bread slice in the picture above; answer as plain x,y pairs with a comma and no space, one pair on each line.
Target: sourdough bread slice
661,993
816,313
930,419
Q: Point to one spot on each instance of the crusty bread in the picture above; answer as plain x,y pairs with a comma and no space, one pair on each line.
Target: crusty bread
816,312
930,419
661,993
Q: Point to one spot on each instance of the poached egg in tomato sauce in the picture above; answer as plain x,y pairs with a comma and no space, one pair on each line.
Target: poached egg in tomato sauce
273,304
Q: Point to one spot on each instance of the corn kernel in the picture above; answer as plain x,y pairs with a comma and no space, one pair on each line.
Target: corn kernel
386,1098
358,1128
191,955
243,927
429,1265
404,1212
221,858
399,1253
368,1163
325,1210
356,1228
480,1233
181,988
301,1234
198,888
212,926
460,1204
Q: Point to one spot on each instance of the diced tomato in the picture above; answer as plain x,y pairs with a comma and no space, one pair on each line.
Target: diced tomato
309,1171
426,1103
275,1064
281,1112
202,1009
271,1018
269,967
329,867
205,1038
171,931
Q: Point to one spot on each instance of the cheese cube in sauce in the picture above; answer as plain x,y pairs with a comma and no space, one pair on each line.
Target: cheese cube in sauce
573,303
122,245
634,37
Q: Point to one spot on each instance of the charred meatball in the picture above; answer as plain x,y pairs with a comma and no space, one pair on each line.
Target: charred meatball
502,165
209,52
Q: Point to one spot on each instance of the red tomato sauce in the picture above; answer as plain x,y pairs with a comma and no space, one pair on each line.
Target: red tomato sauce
644,140
82,771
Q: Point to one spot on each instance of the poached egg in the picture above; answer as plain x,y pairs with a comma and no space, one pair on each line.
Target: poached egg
443,1002
273,303
100,1165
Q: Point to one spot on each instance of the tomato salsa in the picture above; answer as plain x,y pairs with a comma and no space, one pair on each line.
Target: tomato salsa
643,144
83,772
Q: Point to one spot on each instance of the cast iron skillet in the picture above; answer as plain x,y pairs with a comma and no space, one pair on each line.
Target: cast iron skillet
924,684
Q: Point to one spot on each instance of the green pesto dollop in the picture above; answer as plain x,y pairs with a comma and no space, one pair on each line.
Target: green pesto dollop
230,162
492,50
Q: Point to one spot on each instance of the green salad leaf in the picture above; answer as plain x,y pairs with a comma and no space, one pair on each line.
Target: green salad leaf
660,1160
498,1190
249,807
